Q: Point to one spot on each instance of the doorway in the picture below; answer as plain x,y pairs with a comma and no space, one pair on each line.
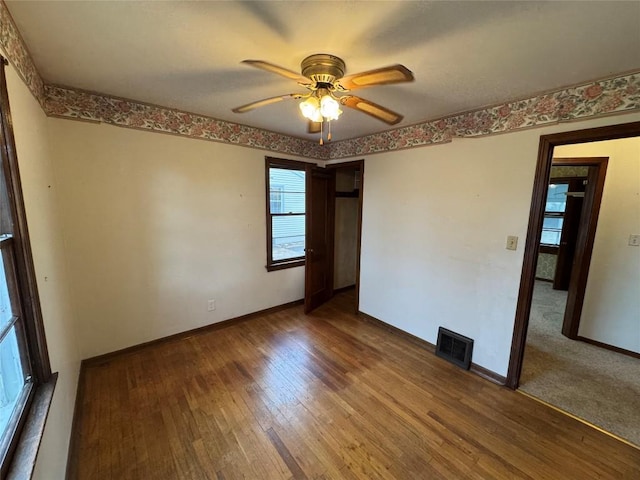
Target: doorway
602,318
334,231
538,202
577,217
348,229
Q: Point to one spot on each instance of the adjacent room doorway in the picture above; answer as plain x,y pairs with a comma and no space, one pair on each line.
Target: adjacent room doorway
586,370
577,235
538,204
334,233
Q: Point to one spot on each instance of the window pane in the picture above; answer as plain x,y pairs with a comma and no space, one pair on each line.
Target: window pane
557,197
275,199
283,201
6,278
551,230
287,189
12,377
288,237
287,202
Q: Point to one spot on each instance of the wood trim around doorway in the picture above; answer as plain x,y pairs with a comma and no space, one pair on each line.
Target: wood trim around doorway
359,164
586,237
538,200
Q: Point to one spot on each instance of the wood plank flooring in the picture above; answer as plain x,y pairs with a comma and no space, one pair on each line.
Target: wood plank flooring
325,396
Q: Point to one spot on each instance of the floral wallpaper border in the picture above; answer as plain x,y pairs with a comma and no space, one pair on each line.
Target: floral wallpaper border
605,97
81,105
615,95
14,47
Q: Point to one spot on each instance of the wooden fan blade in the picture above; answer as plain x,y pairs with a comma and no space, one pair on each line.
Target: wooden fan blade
370,108
285,72
264,102
314,127
379,76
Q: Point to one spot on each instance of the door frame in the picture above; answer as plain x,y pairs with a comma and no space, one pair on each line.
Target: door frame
358,164
536,215
586,236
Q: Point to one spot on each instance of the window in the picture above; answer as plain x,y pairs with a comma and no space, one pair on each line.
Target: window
285,185
15,373
554,213
276,201
24,364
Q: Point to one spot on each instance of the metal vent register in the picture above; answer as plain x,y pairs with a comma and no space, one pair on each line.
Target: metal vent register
454,347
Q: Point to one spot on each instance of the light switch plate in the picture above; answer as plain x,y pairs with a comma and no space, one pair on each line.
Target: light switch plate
512,242
634,240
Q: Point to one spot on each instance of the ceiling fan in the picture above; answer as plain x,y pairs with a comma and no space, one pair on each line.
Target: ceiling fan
323,75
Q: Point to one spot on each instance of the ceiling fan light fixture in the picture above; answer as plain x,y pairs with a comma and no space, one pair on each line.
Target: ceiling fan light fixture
310,108
317,117
330,108
321,109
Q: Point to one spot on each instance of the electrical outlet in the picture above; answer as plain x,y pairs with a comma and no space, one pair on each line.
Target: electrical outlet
512,242
634,240
211,305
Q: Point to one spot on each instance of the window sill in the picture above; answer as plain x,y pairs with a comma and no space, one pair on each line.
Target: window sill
24,458
282,266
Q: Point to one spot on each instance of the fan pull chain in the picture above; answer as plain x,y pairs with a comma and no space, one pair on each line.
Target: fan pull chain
329,130
321,134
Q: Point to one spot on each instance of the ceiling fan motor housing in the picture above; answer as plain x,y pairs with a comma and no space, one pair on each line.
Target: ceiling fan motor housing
323,68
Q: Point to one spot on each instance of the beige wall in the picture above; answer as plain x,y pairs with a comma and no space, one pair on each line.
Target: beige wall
155,225
611,312
41,202
435,222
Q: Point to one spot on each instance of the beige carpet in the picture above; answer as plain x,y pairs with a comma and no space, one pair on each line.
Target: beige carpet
595,384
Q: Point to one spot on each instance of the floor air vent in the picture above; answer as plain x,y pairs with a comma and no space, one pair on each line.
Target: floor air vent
454,347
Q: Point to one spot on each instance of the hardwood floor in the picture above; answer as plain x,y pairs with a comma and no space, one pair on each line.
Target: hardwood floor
327,396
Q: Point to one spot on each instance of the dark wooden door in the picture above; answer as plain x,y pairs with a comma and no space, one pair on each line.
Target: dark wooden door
320,214
569,237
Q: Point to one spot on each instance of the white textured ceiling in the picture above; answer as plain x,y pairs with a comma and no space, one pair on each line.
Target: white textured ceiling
464,55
